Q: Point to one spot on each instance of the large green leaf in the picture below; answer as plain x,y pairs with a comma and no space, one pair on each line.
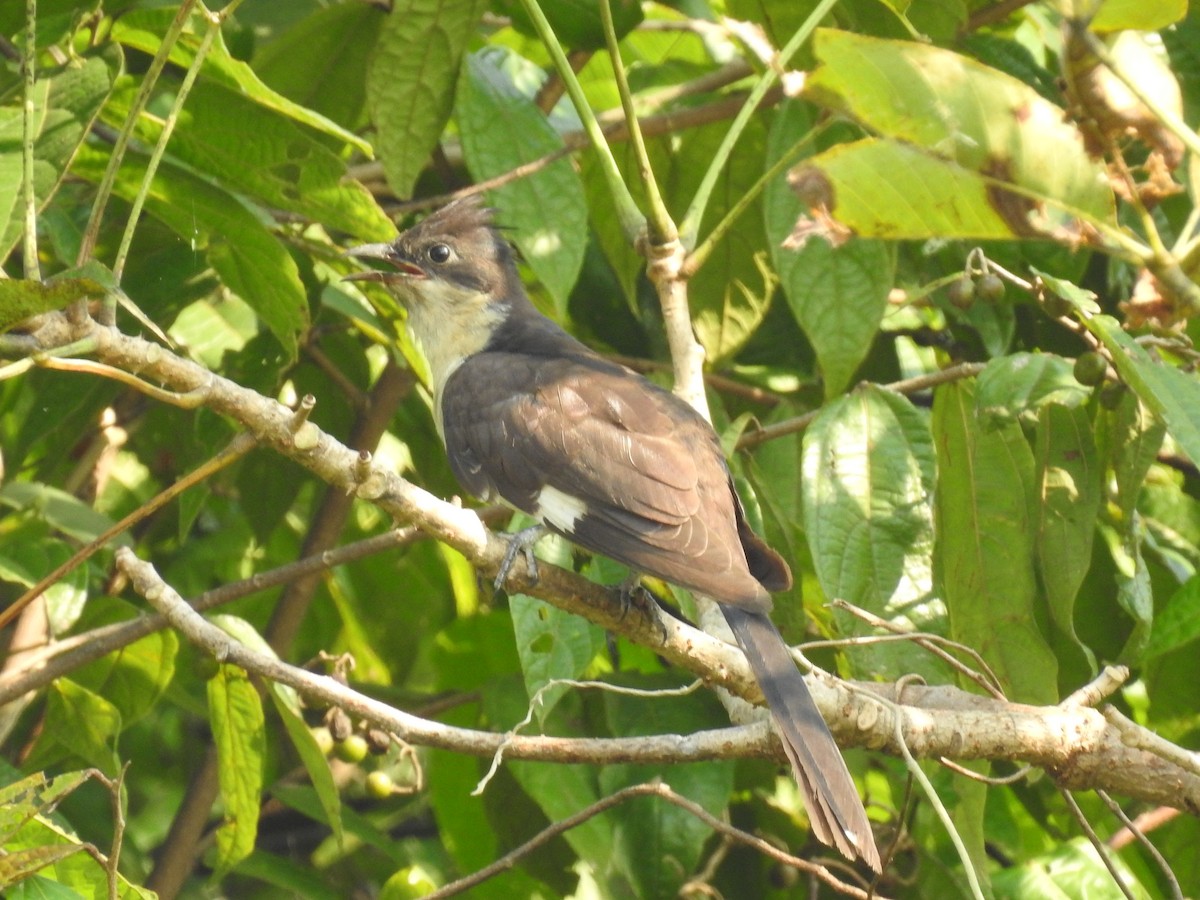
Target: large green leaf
868,476
255,150
144,29
657,845
236,715
135,676
1072,482
551,642
1171,393
984,561
411,80
838,294
322,62
1004,156
732,291
65,104
501,128
83,723
250,260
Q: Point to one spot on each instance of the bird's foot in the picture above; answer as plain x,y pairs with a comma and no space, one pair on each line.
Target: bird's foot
521,541
634,593
631,591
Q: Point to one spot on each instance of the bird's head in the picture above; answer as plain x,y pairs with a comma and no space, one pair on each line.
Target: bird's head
455,274
455,251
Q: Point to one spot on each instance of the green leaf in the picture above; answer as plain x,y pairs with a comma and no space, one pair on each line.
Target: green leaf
411,80
321,63
1071,871
1021,385
135,676
57,508
1172,394
951,108
1072,486
732,291
551,643
253,150
657,845
1134,15
892,191
1179,622
144,28
868,478
1129,438
984,555
838,295
65,105
250,260
501,129
311,755
236,715
83,723
65,598
576,23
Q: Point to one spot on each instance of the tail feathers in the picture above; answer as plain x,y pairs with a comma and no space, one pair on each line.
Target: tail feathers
834,808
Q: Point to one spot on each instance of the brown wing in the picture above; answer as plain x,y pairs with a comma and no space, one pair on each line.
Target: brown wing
646,470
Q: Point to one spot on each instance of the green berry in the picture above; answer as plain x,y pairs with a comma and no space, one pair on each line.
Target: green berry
962,292
380,785
1090,368
990,288
353,749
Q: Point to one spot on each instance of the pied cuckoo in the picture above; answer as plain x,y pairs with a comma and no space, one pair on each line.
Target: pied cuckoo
603,457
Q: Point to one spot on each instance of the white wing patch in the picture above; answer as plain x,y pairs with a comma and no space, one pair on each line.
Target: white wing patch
559,509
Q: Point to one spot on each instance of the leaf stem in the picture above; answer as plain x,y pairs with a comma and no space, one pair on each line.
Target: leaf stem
160,147
92,230
632,220
705,248
691,221
662,226
29,74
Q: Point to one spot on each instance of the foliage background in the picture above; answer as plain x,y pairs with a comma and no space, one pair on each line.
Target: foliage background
1051,526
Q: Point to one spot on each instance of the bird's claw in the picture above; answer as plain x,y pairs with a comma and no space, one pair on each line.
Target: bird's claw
522,541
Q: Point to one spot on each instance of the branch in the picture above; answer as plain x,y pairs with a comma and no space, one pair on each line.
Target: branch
1075,744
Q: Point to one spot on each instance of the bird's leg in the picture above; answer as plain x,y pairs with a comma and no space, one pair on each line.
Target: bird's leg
521,541
630,588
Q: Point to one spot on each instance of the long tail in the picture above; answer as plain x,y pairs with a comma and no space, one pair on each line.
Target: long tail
837,814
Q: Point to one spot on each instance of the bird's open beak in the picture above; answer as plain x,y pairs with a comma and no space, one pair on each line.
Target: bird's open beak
387,253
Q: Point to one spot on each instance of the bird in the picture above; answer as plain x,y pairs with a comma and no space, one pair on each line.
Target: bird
598,454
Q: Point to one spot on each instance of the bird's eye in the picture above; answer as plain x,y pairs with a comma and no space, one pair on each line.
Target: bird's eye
439,253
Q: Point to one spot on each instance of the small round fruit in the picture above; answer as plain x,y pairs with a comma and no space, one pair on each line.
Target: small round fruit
990,288
352,750
962,292
380,785
1090,368
1112,394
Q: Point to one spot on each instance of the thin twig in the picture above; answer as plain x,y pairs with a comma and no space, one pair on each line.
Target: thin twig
1094,839
653,789
765,433
1131,828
